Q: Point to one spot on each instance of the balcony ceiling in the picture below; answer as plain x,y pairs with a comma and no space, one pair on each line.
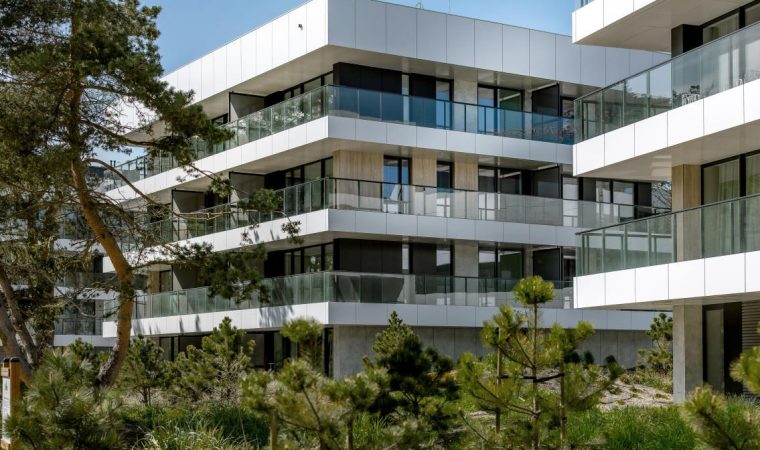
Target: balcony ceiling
645,27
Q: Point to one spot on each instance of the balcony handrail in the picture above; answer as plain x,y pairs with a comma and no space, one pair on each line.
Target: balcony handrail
708,84
664,63
326,110
670,213
331,190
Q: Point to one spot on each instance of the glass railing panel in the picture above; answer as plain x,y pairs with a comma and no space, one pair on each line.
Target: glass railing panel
715,67
718,229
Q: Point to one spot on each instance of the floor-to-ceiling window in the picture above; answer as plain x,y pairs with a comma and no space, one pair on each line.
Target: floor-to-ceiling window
720,181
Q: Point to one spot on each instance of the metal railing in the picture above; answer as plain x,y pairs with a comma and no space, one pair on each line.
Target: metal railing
717,66
349,287
351,102
718,229
335,193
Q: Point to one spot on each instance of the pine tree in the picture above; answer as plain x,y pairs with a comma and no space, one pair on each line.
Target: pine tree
729,423
62,409
307,335
660,356
421,389
145,370
214,371
68,69
539,378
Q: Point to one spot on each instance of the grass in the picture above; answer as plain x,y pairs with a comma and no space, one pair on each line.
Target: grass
650,378
632,429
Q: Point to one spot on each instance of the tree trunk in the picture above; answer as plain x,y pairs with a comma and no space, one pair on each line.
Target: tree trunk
534,375
499,372
110,369
562,414
273,431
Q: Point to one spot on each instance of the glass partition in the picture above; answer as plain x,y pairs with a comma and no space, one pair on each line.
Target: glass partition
397,198
363,104
718,229
724,63
348,287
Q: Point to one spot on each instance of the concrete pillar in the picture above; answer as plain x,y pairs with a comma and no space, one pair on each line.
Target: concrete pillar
687,350
466,259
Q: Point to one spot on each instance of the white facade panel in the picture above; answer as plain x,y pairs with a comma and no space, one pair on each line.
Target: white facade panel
515,50
568,60
234,64
593,65
619,145
751,105
370,25
280,41
752,268
488,45
248,53
341,16
264,58
316,24
587,20
591,291
401,30
651,134
207,75
590,155
724,275
685,123
460,40
652,283
543,57
431,35
686,279
297,35
620,287
723,111
617,62
219,61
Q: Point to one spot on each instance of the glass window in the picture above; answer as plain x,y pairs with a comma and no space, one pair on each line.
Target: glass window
720,28
510,181
486,179
328,168
510,99
313,84
391,171
405,84
569,188
752,174
487,262
603,193
486,96
510,264
327,264
720,181
444,173
312,171
313,259
622,192
329,78
443,260
443,90
547,264
546,182
165,281
660,90
751,15
568,108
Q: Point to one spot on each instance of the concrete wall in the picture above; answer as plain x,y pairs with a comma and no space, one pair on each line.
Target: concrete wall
351,344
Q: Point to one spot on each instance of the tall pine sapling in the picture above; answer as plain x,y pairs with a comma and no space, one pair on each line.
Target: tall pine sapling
214,371
145,370
541,378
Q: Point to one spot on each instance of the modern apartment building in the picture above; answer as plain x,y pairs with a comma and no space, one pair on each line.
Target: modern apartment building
692,121
429,160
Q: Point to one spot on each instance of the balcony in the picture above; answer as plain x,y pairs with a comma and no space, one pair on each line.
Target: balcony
349,287
718,66
719,229
344,101
332,193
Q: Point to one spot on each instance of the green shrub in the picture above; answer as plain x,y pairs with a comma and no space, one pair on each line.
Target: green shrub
204,438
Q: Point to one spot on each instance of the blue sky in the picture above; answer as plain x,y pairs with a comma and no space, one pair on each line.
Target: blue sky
192,28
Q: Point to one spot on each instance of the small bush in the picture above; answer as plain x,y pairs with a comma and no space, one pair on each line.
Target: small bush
205,438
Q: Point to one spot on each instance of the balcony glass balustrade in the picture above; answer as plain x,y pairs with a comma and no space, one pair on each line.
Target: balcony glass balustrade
715,67
349,287
364,104
717,229
333,193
